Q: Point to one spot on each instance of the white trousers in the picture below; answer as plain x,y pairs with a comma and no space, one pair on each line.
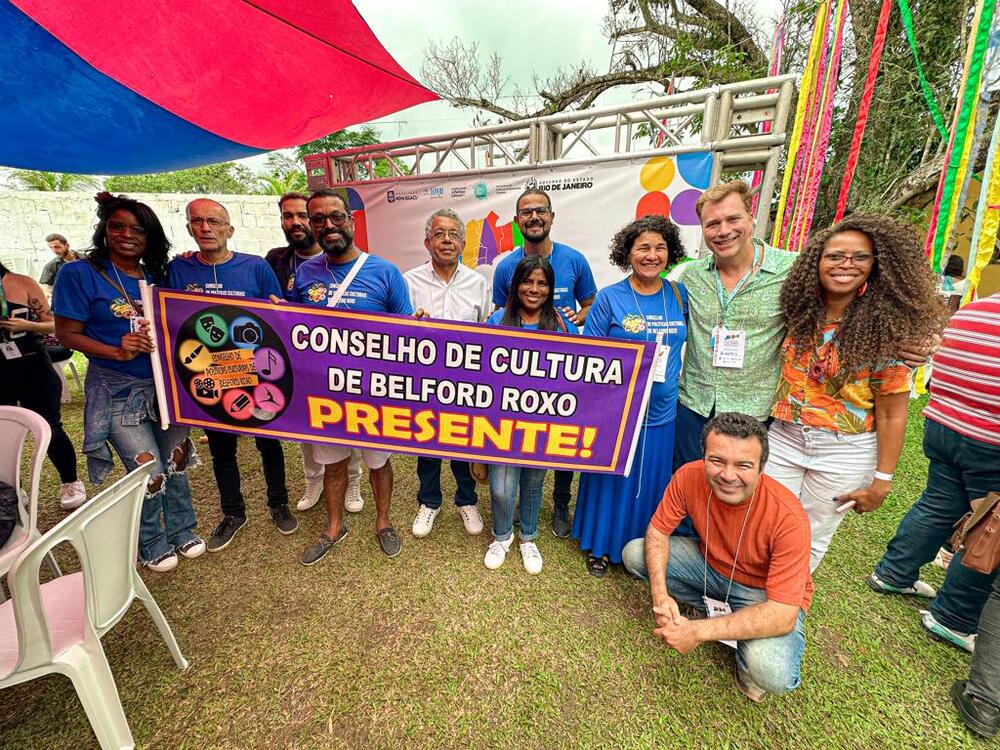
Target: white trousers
818,466
313,469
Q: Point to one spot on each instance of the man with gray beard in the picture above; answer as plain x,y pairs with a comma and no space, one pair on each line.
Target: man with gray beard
345,277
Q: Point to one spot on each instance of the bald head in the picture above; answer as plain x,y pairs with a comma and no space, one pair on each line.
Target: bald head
208,223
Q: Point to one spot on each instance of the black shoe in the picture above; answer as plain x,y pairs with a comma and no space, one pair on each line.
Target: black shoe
224,533
284,520
560,522
316,552
980,717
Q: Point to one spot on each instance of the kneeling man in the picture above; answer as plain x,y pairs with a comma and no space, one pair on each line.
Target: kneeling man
748,569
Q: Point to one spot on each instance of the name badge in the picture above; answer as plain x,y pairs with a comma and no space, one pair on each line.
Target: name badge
10,350
728,347
660,370
135,324
715,608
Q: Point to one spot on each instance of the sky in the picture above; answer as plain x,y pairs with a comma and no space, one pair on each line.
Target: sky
530,37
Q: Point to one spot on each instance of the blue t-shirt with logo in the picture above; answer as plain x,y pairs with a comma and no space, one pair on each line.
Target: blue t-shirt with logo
82,294
496,319
377,287
619,312
574,279
243,275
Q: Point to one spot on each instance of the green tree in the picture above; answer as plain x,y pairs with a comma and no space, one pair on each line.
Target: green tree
32,179
226,178
285,175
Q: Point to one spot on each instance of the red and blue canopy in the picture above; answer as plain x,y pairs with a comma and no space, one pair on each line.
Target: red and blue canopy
100,87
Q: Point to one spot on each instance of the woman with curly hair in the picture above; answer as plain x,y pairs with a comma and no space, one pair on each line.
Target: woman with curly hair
98,311
858,289
612,510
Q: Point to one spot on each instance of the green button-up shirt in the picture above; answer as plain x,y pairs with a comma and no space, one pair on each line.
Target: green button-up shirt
756,310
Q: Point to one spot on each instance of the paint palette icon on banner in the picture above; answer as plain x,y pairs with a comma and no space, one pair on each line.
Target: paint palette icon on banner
233,366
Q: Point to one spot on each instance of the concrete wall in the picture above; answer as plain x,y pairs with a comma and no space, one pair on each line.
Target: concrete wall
27,217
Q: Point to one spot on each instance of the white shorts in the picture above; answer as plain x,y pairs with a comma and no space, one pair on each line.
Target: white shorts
324,453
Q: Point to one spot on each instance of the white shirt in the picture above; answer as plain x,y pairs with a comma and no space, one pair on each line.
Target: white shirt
466,297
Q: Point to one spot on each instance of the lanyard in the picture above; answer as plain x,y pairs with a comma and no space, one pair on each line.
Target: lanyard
725,299
739,542
137,309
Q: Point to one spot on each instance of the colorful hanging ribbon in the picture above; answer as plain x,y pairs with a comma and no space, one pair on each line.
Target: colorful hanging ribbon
946,207
904,11
987,218
867,94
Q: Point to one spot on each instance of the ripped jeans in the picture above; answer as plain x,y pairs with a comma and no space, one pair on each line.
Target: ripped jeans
167,519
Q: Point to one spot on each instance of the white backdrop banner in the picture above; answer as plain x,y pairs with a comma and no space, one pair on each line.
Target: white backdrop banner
591,203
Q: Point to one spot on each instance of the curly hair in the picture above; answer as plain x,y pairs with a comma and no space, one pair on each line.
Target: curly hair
899,302
624,239
157,251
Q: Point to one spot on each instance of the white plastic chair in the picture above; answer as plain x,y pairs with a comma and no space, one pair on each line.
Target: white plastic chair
15,426
57,626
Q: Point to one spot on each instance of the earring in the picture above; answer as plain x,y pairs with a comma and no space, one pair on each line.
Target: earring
862,289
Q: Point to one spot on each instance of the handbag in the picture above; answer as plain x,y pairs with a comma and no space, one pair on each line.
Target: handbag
977,535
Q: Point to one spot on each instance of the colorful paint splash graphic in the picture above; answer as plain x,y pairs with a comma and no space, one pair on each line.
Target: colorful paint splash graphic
484,240
656,176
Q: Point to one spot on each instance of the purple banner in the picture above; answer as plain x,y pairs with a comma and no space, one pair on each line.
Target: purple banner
435,388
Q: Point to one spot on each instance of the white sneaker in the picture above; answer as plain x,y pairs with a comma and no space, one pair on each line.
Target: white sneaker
72,495
163,564
531,558
943,558
192,548
424,521
311,496
353,502
496,554
471,519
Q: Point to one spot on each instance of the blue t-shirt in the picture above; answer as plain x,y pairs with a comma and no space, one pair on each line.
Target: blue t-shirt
574,279
82,294
497,317
619,312
242,275
378,286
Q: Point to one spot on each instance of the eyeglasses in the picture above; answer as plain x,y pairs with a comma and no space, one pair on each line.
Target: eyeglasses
120,227
210,220
440,234
859,259
336,218
542,211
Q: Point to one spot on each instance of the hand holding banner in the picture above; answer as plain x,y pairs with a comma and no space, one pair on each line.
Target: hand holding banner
437,388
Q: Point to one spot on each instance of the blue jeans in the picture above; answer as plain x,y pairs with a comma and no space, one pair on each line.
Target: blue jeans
771,663
961,469
984,676
505,481
167,519
429,474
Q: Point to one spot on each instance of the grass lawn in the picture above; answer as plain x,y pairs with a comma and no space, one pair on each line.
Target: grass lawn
431,650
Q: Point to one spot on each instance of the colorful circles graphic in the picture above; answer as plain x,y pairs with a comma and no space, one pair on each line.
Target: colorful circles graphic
234,366
660,172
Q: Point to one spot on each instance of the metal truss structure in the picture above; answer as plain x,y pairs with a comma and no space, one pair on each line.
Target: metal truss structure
726,120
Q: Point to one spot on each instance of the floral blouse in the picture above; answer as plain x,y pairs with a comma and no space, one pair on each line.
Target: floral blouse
814,392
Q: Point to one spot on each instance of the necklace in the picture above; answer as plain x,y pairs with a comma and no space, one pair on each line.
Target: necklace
739,541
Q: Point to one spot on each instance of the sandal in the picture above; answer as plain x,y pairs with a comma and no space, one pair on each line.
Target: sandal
389,541
597,566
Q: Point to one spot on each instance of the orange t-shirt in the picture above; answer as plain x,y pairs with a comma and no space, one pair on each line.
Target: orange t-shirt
774,555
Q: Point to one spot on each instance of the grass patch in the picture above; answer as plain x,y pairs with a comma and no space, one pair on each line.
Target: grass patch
431,650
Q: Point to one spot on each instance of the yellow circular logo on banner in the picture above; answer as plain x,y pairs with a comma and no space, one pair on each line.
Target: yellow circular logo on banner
194,355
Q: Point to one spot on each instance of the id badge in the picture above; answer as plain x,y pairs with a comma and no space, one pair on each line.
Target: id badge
729,347
715,608
662,356
135,324
10,350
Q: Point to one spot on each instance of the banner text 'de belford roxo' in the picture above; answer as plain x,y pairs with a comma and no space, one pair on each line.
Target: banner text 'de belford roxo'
435,388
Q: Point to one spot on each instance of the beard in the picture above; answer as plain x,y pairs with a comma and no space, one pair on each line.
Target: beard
536,232
336,246
300,244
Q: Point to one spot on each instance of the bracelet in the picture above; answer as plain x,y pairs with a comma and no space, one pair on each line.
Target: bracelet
883,476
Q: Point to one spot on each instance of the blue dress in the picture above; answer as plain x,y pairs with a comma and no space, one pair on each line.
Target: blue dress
612,510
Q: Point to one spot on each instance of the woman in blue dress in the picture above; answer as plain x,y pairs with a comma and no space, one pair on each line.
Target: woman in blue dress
612,510
529,306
